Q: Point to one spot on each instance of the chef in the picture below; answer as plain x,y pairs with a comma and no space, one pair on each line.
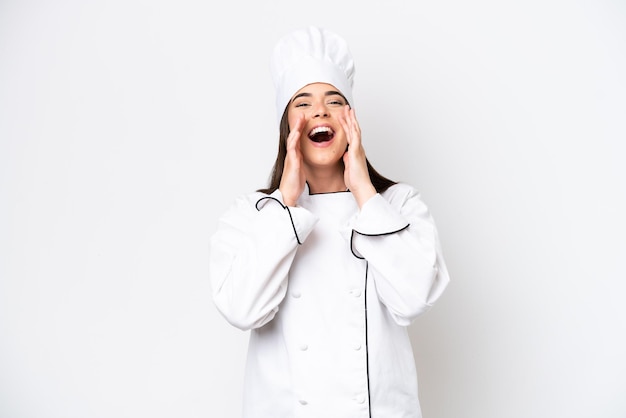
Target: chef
329,264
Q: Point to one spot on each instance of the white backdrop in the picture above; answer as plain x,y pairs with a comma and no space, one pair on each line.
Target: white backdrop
128,126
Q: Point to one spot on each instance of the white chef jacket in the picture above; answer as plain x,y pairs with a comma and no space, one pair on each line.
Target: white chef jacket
327,291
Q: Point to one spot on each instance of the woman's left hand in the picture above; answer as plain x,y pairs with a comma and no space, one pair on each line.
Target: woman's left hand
356,176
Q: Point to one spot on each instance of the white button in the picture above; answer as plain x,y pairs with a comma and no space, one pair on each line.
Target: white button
302,402
356,293
304,347
295,294
357,347
360,399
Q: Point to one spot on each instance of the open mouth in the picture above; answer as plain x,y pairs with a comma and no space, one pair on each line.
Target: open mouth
321,134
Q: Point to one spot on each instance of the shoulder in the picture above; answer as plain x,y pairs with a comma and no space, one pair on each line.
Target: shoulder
400,192
405,197
244,203
251,198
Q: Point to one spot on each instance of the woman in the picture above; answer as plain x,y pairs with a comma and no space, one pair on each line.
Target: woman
329,265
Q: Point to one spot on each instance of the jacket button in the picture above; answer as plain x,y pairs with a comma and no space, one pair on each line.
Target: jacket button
357,347
295,294
356,293
360,399
302,402
304,347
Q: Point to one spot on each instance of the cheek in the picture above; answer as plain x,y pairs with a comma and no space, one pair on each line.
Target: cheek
341,139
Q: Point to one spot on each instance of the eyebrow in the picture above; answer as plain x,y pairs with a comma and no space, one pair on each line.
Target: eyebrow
328,93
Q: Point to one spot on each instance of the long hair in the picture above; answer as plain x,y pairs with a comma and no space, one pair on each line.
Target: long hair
380,182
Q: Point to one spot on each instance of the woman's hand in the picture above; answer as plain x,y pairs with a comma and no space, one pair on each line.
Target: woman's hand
293,178
355,176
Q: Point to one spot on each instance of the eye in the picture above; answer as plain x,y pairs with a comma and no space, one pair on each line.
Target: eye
337,102
301,104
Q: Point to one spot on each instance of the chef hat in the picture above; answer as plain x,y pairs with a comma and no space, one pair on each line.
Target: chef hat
306,56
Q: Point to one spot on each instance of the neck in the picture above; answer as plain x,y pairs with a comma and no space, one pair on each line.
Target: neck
326,180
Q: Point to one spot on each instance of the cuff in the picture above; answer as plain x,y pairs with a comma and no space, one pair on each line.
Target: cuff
378,217
301,219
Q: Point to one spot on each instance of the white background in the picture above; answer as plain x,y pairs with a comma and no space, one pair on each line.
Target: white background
128,126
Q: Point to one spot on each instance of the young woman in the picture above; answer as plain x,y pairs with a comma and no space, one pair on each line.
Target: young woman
328,265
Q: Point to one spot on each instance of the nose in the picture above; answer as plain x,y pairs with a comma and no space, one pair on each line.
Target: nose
320,111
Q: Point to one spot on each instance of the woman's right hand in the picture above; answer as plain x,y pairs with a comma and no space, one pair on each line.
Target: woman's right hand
293,178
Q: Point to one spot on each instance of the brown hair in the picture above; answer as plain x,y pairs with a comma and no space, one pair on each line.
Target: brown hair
380,182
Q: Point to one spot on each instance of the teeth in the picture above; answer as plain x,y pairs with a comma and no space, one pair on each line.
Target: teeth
320,129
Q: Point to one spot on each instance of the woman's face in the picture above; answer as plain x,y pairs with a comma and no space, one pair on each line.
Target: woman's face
322,140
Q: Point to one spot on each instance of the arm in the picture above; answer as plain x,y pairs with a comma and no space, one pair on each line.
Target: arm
397,236
250,256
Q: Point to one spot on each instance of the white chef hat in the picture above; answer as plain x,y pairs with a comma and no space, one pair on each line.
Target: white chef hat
311,55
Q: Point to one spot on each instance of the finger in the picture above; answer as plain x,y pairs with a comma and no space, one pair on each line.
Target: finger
356,128
292,140
345,124
354,131
299,122
355,124
294,136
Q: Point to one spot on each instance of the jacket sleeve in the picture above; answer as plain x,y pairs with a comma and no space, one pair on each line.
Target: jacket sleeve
398,237
250,256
